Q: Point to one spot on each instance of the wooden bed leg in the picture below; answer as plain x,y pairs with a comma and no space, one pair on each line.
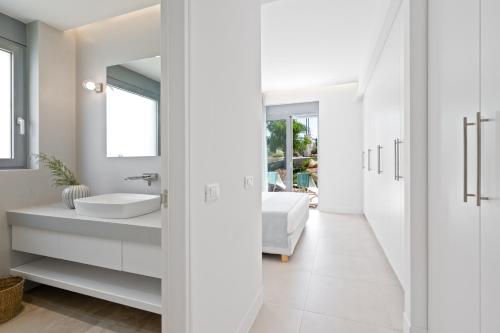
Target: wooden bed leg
284,258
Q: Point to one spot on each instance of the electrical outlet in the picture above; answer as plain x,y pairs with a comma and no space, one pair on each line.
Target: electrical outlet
212,192
248,182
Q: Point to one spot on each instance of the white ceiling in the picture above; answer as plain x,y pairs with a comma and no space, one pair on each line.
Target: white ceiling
149,67
69,14
307,43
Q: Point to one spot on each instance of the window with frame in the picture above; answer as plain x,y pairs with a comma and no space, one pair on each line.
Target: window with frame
13,130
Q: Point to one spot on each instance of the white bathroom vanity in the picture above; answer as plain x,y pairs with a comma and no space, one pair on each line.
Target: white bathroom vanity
118,260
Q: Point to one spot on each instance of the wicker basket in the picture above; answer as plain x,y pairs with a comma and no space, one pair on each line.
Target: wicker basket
11,296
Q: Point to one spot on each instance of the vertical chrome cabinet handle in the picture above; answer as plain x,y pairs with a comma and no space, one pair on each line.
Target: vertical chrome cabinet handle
395,159
379,169
369,160
397,174
22,125
479,196
466,124
478,161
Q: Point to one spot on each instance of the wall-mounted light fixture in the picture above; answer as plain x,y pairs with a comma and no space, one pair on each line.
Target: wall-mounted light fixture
91,85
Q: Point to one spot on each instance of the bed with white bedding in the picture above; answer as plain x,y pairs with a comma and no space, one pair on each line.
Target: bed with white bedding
284,216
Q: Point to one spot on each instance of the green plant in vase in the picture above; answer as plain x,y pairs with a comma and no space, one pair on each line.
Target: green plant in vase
62,176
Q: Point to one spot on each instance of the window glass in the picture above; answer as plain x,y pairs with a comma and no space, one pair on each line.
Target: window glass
5,104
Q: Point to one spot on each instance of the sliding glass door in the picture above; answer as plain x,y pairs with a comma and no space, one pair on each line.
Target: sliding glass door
305,152
292,147
279,155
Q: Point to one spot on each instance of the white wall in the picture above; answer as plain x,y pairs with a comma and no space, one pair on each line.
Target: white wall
52,126
225,132
399,83
214,109
340,142
110,42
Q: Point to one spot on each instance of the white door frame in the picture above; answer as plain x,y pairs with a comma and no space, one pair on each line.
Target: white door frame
416,168
175,113
175,171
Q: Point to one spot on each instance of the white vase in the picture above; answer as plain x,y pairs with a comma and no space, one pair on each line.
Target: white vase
73,192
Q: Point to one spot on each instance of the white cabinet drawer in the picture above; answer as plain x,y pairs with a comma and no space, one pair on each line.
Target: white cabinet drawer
138,258
141,258
91,251
36,241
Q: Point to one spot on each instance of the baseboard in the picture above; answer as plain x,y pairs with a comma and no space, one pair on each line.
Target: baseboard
409,329
251,315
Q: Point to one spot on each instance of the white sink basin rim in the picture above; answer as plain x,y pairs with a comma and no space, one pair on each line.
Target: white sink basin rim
117,205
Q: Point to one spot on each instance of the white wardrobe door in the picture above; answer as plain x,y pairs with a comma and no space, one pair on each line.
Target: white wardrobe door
384,105
393,130
370,204
490,210
454,77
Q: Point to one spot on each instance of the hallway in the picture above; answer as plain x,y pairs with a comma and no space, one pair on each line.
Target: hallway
338,280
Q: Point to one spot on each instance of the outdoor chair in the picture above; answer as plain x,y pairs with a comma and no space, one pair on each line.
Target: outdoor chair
304,180
272,179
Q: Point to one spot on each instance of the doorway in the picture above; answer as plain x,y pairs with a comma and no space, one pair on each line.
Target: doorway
292,140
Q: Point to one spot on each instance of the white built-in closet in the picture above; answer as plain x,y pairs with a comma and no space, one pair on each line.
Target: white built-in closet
383,106
464,173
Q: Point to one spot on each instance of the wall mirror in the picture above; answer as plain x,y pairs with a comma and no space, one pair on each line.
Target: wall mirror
133,108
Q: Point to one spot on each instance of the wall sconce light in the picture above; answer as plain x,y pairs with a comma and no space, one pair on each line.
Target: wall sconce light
93,86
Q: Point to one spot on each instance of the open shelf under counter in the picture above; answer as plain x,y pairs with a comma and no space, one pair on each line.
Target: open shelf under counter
133,290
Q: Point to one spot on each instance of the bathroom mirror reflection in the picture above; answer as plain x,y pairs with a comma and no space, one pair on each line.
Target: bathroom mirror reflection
132,108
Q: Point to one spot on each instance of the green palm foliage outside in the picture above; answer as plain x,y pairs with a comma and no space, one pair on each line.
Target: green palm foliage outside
276,139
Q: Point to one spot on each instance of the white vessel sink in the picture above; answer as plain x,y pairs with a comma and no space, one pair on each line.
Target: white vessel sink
117,205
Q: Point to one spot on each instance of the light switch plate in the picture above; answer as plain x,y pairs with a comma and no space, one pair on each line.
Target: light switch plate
248,182
212,192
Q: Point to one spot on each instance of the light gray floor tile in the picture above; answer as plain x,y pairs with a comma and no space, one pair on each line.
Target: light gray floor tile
315,323
277,319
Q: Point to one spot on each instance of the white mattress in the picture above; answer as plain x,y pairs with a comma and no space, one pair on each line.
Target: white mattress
284,216
284,210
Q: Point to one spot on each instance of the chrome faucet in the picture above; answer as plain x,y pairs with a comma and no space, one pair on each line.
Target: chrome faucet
148,177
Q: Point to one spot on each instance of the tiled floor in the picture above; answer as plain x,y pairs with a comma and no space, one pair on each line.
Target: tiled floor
52,310
338,281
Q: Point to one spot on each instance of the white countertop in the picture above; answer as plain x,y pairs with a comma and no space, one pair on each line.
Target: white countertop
56,217
59,210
